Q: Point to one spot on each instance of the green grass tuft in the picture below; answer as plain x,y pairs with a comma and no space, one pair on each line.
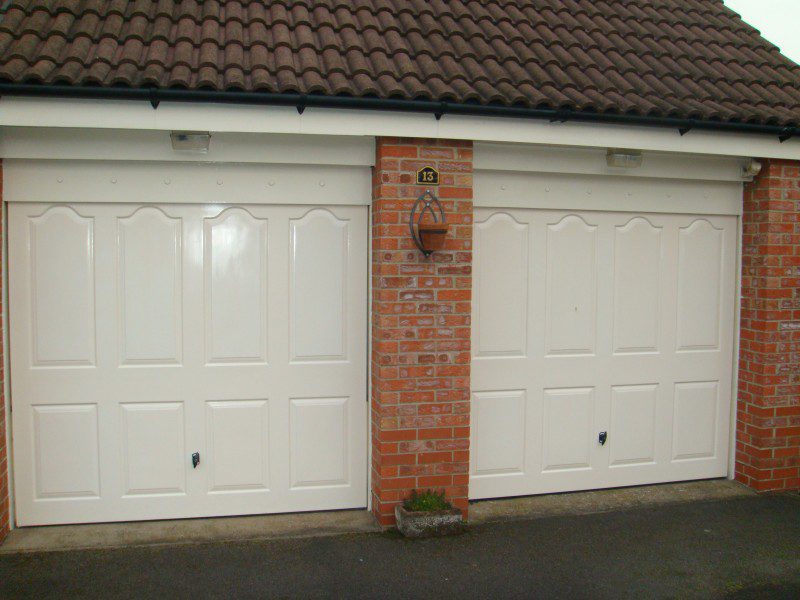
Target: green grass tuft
426,501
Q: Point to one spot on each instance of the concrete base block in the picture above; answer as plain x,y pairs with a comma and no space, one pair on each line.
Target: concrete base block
428,524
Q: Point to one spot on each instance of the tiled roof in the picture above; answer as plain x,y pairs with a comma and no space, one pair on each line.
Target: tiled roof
668,58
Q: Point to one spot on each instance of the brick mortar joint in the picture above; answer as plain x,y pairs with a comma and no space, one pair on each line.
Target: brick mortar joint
768,356
431,413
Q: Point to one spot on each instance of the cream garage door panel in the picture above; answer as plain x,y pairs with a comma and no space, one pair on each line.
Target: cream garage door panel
62,282
599,321
143,334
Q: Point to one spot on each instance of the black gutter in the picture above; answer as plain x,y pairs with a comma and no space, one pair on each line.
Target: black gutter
303,101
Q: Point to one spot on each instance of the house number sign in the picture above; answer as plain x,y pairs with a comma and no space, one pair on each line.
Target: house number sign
427,176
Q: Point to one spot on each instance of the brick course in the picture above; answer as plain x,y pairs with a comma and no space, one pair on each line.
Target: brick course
768,410
420,364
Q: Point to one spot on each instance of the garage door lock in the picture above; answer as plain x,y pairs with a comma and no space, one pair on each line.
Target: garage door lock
195,460
602,438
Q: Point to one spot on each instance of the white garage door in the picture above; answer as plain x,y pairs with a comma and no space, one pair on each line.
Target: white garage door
591,322
141,335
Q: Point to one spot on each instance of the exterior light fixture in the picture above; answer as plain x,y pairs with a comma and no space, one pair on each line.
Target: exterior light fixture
751,169
623,159
190,141
428,235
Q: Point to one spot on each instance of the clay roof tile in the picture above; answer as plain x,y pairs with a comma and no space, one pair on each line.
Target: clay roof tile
687,58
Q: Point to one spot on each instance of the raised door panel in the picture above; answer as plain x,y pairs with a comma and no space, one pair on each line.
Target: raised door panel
319,442
637,289
150,288
66,451
568,417
699,286
238,445
62,288
153,448
571,287
501,287
236,287
694,434
633,424
318,279
498,432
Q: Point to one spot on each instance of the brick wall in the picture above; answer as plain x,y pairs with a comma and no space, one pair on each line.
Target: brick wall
4,486
420,360
768,411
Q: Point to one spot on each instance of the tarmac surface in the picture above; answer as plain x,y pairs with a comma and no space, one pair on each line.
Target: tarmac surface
740,547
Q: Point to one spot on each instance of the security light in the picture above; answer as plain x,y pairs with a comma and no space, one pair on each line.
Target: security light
623,159
190,141
751,169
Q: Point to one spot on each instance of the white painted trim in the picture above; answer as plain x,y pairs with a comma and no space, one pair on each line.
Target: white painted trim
592,161
138,115
79,181
154,145
737,335
369,359
7,371
513,189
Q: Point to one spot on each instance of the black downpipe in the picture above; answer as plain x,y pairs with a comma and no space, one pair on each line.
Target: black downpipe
303,101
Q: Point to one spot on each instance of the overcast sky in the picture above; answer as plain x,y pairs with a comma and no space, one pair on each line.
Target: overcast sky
777,20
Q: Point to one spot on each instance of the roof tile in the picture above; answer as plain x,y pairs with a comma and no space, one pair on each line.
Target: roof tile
689,58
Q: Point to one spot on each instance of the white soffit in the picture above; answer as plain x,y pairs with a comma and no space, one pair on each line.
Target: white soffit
127,114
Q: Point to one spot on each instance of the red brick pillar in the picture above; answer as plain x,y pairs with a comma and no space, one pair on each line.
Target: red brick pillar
4,485
768,411
420,328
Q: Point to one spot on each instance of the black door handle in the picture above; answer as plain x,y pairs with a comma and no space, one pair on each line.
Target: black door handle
602,438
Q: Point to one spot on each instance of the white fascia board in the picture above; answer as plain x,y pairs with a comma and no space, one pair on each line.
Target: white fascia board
68,143
649,139
129,114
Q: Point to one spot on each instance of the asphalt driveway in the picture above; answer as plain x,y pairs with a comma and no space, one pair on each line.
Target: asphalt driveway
745,547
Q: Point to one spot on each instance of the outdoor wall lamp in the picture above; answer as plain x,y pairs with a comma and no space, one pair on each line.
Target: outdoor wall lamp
751,169
428,236
190,141
623,159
